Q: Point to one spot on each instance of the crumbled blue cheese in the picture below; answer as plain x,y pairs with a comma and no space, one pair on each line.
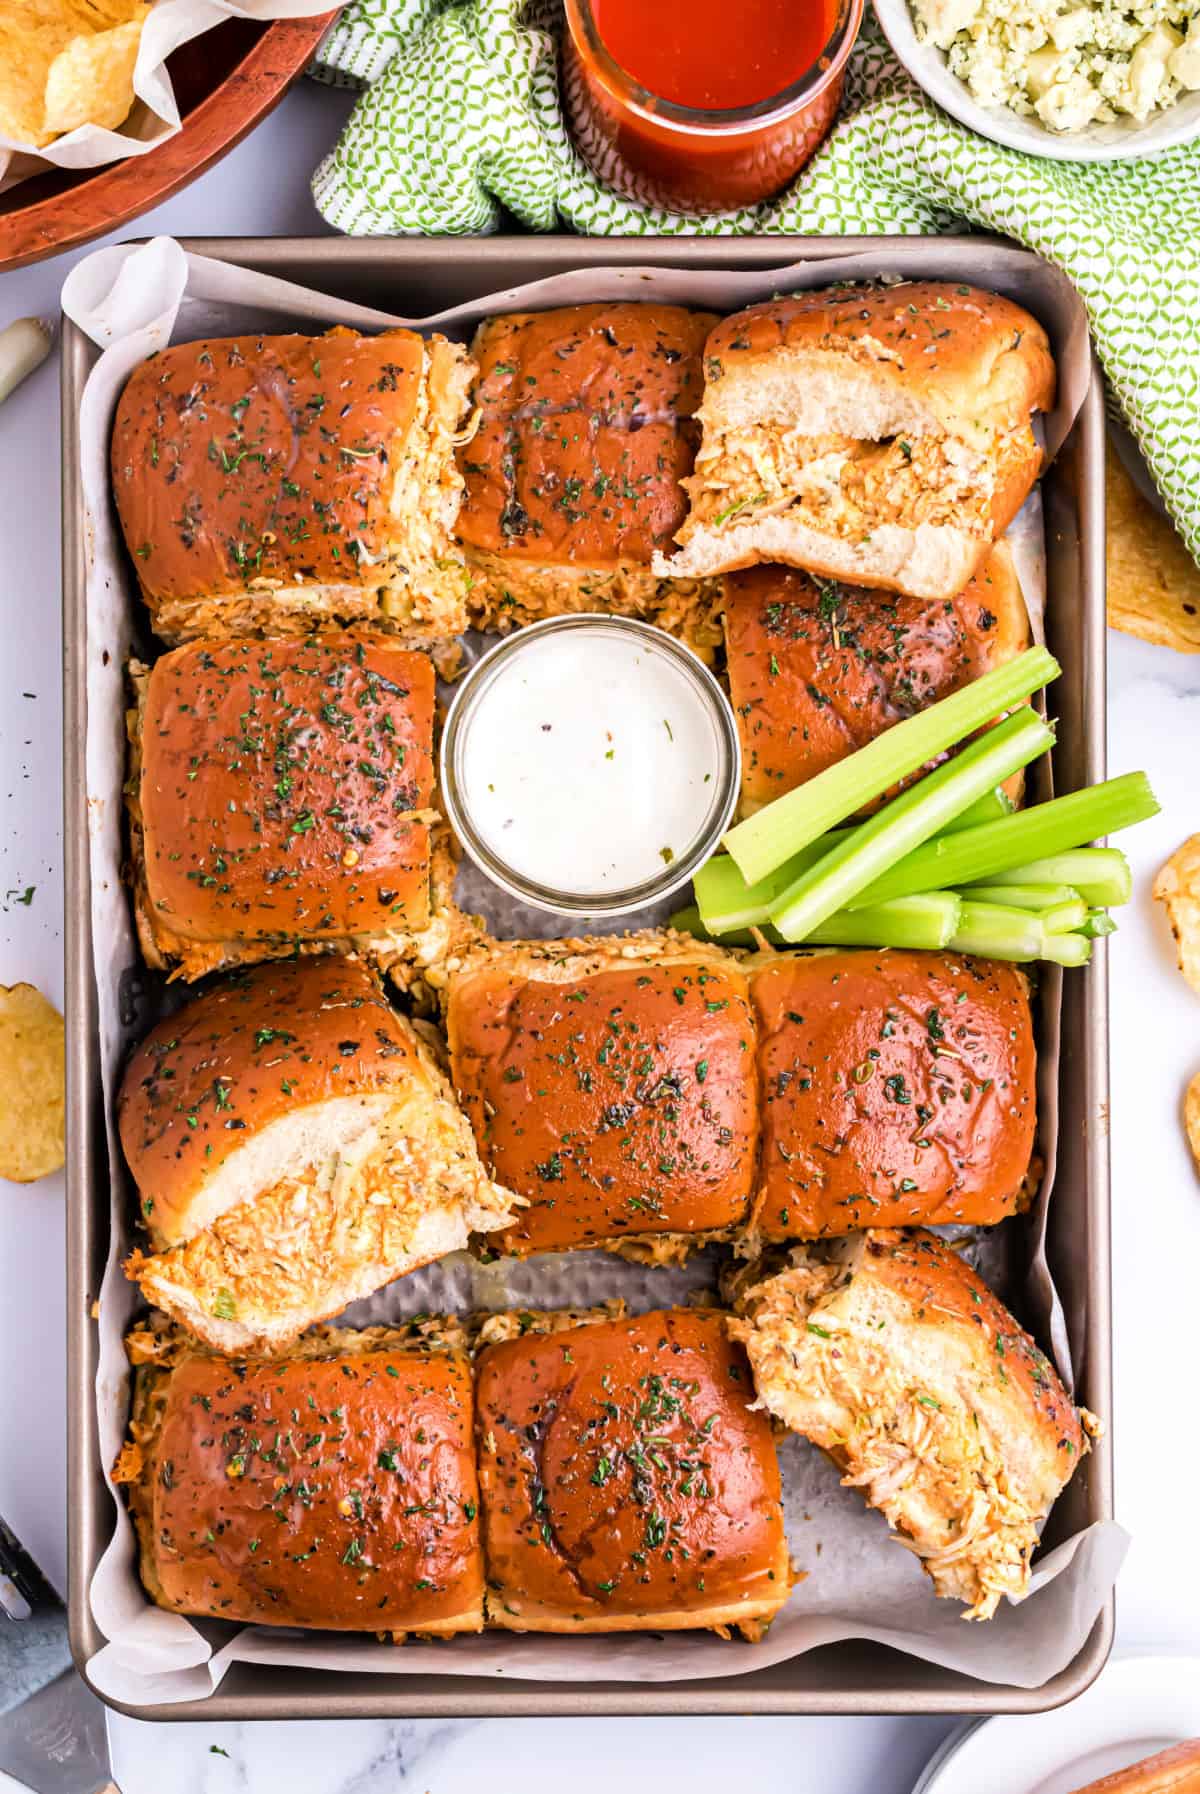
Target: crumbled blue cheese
1067,64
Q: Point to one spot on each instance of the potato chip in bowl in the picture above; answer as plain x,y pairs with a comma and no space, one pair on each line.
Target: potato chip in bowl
66,63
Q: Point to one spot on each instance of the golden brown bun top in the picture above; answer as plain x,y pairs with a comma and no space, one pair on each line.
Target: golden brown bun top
619,1102
251,1049
623,1468
277,783
896,1087
584,436
985,357
818,669
1172,1771
334,1492
250,458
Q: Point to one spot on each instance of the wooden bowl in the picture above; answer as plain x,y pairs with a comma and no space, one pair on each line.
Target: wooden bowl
225,81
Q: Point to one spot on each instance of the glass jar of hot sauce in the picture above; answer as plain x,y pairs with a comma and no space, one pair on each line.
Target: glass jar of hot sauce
679,149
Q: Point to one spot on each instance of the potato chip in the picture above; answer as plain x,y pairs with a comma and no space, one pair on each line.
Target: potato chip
65,63
1191,1117
1153,582
32,1100
1178,888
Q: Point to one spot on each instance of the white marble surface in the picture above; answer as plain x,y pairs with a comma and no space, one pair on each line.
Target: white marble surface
1154,722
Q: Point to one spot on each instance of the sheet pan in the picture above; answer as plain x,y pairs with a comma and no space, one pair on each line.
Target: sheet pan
422,277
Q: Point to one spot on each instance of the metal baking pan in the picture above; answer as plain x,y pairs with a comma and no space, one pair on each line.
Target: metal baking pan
418,276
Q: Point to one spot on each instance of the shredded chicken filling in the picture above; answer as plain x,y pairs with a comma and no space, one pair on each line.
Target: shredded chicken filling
508,592
426,579
300,1243
844,485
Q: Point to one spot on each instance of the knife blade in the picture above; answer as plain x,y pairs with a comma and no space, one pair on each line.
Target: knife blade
53,1736
56,1741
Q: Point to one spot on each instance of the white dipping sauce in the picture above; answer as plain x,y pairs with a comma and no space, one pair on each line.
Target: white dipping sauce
589,762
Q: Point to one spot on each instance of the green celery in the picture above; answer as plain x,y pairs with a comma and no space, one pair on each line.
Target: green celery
1099,874
1014,896
726,901
1063,918
837,879
927,922
1067,949
1098,923
988,808
1020,843
995,932
775,833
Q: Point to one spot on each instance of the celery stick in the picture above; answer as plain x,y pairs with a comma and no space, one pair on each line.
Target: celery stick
927,921
998,933
909,819
690,921
1098,923
1036,897
1019,842
1067,949
726,901
1099,874
1062,918
988,808
765,840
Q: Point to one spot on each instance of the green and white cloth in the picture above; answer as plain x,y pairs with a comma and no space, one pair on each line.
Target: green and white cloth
460,119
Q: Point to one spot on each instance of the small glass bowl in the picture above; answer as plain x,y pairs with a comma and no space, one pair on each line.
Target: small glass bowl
726,778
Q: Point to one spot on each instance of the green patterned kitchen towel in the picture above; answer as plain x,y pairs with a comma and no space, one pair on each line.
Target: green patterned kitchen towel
460,117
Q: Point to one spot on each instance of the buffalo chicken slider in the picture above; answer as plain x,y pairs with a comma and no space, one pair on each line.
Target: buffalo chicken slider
295,1146
573,478
279,799
881,435
891,1355
335,1488
628,1480
897,1088
610,1084
276,482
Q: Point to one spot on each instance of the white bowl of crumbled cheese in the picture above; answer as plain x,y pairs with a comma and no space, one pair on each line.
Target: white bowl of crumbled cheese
1075,80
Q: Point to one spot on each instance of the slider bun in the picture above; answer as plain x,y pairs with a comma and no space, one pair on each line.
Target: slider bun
897,1088
280,795
931,560
613,1088
362,1517
281,481
809,686
890,1354
305,1053
866,366
1172,1771
295,1146
627,1480
575,473
880,361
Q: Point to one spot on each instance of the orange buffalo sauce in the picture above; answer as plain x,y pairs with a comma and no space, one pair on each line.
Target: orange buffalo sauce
715,54
704,105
